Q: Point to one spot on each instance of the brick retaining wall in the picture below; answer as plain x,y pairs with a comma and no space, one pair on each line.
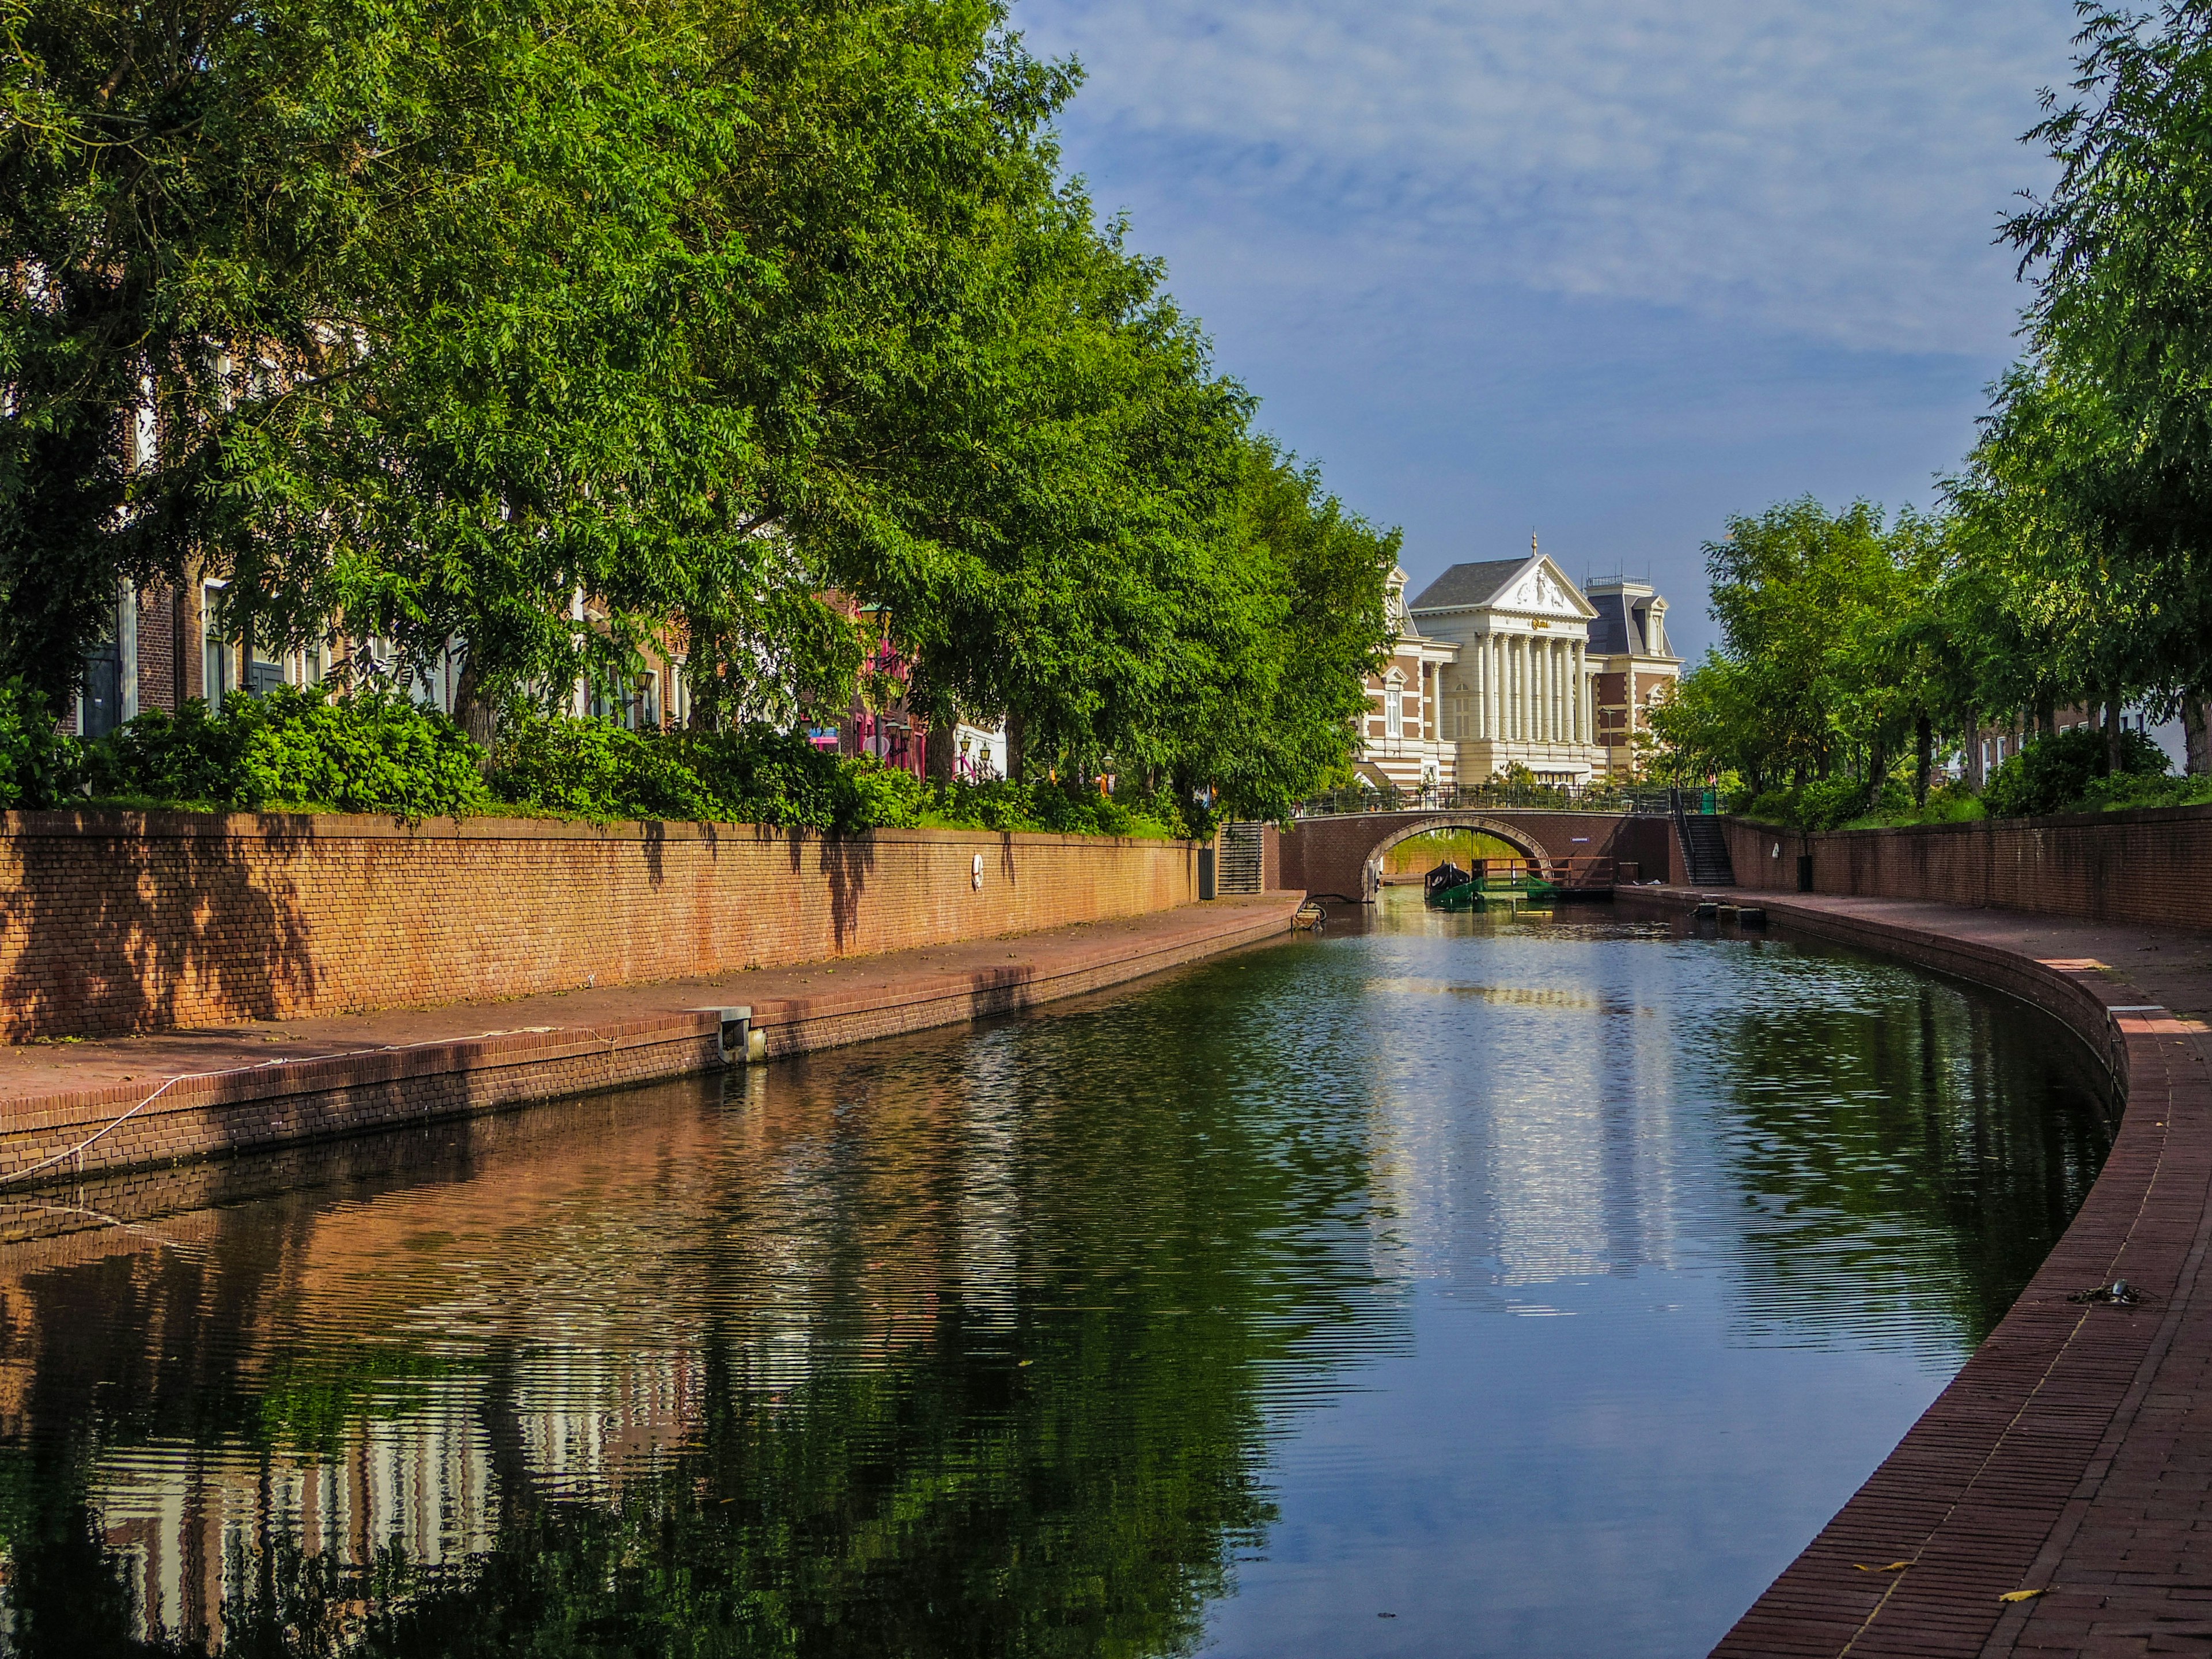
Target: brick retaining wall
113,922
2152,868
228,1108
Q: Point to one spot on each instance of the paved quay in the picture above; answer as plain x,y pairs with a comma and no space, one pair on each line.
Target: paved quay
72,1109
2071,1458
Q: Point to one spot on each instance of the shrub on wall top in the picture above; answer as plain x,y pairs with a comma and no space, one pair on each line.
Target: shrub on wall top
2055,774
38,765
374,751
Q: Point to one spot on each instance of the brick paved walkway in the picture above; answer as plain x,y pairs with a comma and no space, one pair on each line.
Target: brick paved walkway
2072,1455
263,1084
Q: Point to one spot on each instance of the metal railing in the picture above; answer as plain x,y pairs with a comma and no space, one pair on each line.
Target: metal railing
1508,797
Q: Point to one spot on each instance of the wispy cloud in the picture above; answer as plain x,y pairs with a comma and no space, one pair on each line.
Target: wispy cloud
1612,267
1833,170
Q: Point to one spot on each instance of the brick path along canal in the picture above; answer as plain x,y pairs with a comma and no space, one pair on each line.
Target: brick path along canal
2072,1455
80,1108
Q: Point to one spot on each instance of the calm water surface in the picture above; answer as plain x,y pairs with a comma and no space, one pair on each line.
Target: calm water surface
1437,1287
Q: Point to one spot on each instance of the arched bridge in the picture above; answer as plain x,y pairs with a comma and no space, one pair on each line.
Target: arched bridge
1340,855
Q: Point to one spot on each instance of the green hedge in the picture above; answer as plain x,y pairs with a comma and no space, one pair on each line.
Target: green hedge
38,767
758,775
372,752
2059,773
2066,773
378,752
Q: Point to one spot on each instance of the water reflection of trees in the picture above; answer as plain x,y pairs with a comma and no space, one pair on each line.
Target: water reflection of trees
960,1347
1905,1147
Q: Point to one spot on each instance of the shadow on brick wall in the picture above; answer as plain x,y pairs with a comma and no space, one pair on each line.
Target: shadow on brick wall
846,863
112,928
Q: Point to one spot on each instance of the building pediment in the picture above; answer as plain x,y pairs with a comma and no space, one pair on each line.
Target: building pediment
1542,590
1533,586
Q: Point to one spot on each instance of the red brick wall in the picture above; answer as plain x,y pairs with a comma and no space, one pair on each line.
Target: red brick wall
116,921
157,648
2153,867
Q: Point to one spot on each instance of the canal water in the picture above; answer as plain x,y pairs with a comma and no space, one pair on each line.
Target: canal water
1439,1286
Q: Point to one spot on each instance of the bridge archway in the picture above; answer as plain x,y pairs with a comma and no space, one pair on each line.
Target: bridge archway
1429,823
1339,855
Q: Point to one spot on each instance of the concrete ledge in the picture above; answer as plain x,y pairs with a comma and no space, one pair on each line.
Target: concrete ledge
2038,1467
210,1094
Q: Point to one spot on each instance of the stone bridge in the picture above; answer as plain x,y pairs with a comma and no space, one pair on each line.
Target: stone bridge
1341,856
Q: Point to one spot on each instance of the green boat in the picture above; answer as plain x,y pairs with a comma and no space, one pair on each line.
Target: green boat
1511,885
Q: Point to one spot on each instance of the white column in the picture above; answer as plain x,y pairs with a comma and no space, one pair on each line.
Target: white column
1583,726
126,642
1519,648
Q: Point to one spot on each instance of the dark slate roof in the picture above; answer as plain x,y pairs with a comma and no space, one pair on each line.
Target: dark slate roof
1469,584
1617,630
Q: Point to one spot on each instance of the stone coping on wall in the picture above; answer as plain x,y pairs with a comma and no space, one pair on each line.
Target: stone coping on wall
76,1109
175,826
2069,1464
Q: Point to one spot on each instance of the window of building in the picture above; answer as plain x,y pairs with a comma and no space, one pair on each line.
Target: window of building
1394,711
99,705
218,668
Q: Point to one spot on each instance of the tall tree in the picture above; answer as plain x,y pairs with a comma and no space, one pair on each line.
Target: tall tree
2100,446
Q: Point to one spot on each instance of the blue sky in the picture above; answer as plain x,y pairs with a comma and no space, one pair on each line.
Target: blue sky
1607,270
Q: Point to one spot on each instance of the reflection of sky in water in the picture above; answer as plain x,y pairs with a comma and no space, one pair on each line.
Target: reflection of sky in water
1543,1285
1640,1380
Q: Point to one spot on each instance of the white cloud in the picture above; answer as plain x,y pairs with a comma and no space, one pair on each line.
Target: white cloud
1832,171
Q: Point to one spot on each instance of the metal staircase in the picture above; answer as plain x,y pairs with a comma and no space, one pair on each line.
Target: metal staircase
1704,850
1242,866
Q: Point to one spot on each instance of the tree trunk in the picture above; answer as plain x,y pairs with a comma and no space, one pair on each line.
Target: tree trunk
702,674
1924,757
2046,719
1016,737
937,752
2196,729
2111,734
470,712
1877,773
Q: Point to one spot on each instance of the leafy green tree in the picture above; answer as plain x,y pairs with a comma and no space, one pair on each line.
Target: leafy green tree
2062,609
412,298
1710,726
2098,454
445,322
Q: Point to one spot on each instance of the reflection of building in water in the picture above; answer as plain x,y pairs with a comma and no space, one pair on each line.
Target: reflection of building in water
384,1433
1534,1138
189,1522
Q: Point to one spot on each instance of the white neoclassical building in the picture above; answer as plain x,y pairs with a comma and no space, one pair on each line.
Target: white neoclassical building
1519,690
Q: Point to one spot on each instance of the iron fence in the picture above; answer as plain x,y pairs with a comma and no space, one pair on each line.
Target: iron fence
1524,797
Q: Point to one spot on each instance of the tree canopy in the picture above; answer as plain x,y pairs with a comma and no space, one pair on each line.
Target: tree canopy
430,322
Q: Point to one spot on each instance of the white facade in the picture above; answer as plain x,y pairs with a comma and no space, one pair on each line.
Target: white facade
1519,693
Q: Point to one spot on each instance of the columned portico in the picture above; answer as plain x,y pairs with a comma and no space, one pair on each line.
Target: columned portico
1519,693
